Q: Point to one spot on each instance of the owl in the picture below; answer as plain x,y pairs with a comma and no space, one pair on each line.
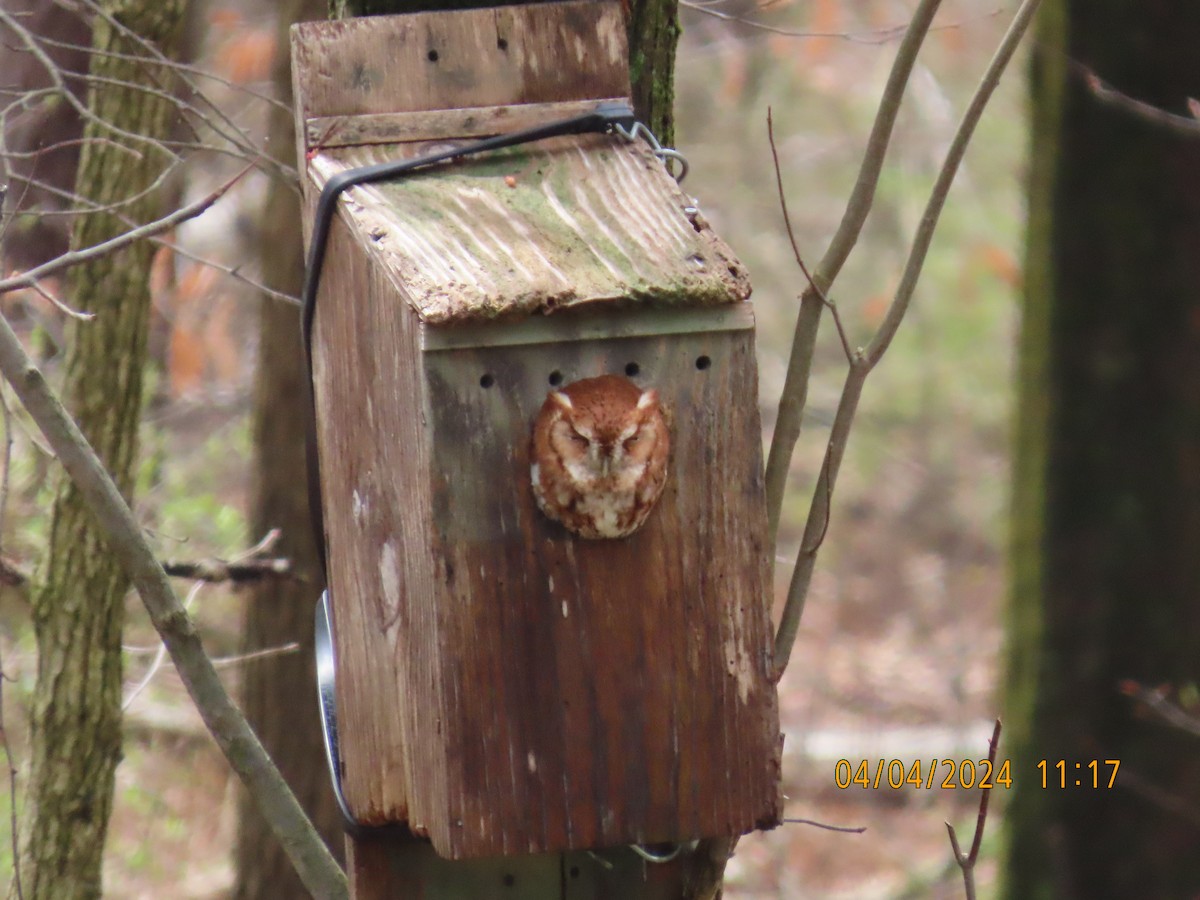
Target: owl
599,451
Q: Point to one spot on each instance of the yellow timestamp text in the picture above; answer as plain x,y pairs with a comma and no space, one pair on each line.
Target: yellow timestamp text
947,774
1088,773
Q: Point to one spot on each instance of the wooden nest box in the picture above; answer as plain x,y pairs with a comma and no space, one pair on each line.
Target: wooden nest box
506,686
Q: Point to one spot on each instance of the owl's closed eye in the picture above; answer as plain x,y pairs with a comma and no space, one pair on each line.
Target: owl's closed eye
600,449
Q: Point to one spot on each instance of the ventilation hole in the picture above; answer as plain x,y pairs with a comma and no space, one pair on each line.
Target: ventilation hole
487,380
556,378
632,369
509,880
703,362
574,871
502,44
432,56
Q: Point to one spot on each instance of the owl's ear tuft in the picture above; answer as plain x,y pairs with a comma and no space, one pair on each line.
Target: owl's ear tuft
648,399
561,400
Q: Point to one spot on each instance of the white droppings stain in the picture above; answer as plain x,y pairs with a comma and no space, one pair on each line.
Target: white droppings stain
738,663
532,760
358,506
389,575
566,610
550,581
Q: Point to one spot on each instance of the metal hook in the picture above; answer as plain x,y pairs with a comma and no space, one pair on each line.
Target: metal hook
651,857
666,155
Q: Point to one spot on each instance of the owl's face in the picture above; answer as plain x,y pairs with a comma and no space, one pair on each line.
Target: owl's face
600,449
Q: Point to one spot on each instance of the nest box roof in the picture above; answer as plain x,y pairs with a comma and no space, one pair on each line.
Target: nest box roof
562,223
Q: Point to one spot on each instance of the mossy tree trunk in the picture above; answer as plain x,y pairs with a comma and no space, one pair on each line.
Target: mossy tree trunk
1106,529
279,692
78,607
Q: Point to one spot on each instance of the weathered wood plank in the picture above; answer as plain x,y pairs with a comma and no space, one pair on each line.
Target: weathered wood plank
605,692
471,58
442,124
371,438
503,687
563,223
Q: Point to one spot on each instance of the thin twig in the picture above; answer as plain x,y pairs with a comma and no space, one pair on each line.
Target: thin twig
160,654
180,69
864,361
1158,703
215,571
75,257
234,272
225,662
874,36
67,311
808,321
1185,125
941,187
56,78
787,224
966,861
845,829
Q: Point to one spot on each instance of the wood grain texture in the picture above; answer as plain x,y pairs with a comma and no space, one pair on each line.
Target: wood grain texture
484,57
563,223
442,124
505,688
539,692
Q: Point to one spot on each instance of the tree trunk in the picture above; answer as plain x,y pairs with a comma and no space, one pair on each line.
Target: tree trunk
1106,526
279,694
78,609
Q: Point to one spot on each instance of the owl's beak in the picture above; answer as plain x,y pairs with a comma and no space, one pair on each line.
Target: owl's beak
605,465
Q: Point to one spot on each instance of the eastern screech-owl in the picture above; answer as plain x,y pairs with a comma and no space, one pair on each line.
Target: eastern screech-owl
600,448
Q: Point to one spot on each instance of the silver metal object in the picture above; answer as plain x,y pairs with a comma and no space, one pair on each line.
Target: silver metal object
666,155
326,668
651,857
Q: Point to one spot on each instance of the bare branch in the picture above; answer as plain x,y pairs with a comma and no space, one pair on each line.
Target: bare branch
226,662
787,224
845,829
218,570
313,862
61,89
1110,96
1157,702
937,197
75,257
873,36
233,272
818,516
966,861
863,362
160,654
795,386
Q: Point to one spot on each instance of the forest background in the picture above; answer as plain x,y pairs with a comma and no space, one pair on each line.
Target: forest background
898,655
